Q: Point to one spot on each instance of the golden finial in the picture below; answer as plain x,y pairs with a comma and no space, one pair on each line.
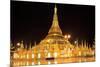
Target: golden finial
35,43
22,45
82,43
85,45
30,46
26,46
55,9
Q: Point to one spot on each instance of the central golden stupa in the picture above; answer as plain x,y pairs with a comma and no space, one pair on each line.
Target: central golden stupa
54,43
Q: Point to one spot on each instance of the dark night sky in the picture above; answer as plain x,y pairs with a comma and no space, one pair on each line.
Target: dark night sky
30,21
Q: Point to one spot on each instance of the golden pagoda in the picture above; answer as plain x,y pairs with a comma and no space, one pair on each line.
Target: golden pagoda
53,49
54,42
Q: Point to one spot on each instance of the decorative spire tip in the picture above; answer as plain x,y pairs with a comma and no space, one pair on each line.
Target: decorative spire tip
55,9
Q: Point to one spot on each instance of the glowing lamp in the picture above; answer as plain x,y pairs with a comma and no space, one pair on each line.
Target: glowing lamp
55,54
49,62
75,42
69,36
39,63
18,44
65,36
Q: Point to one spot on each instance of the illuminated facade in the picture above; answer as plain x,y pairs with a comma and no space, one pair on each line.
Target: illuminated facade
55,48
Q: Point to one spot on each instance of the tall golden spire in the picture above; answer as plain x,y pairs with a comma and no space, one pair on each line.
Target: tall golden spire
55,25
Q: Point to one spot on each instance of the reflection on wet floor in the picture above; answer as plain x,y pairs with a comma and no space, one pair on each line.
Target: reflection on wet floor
43,61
